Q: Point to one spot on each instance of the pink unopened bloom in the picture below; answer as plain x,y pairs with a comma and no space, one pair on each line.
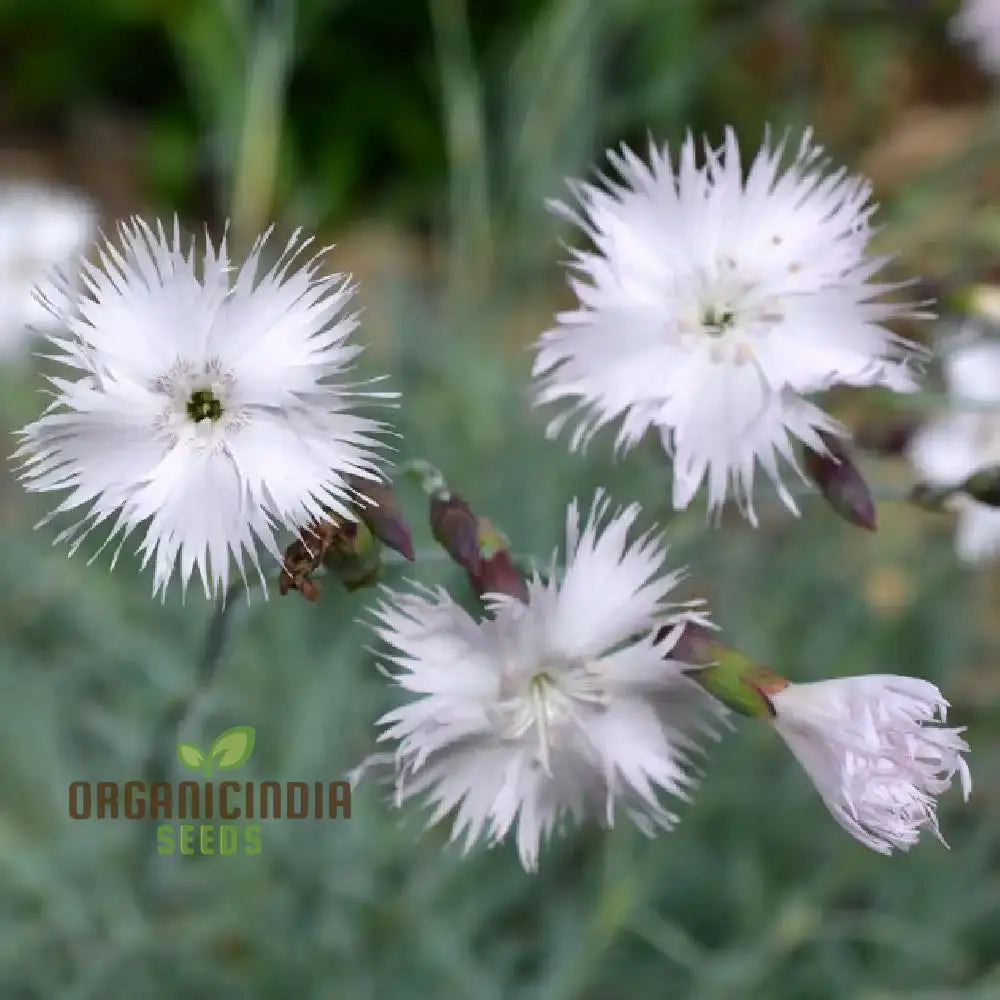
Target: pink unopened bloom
876,753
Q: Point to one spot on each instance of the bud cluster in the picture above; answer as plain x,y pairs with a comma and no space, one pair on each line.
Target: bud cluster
348,550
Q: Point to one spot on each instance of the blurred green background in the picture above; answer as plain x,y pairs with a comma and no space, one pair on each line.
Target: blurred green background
423,139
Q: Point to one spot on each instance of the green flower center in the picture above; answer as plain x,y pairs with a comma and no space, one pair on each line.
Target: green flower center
204,405
716,322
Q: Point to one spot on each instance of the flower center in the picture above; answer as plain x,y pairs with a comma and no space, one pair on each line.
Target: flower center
727,314
550,702
204,405
716,322
200,405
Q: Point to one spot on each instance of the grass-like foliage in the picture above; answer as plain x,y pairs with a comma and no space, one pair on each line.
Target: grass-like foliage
757,894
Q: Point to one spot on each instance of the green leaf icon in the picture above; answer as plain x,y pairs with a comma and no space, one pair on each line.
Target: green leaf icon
190,755
233,747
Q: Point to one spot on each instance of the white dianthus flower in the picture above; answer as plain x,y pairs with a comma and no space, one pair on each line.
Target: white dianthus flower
41,228
978,23
953,446
874,751
554,709
202,404
713,304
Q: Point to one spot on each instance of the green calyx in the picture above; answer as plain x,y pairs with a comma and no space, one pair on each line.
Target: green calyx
984,486
355,557
491,539
727,675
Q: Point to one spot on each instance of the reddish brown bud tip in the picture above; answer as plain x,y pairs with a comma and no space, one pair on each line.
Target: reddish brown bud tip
456,529
499,575
384,517
840,482
396,536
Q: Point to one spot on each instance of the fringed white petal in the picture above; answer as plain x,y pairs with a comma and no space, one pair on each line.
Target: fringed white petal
877,751
549,712
712,303
160,327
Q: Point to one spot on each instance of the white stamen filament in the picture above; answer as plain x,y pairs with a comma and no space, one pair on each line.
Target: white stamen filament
551,699
539,683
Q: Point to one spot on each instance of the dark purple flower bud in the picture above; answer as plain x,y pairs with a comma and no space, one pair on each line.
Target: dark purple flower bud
840,482
456,529
384,516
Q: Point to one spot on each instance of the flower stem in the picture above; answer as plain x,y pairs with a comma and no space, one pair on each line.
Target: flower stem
163,748
218,633
269,59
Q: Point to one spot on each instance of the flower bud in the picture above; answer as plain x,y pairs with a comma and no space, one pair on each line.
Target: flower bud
355,556
303,557
348,551
840,482
384,517
878,752
474,542
725,673
456,529
497,573
984,486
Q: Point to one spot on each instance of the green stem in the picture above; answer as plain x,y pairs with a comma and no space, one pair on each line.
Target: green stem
465,136
428,476
256,167
218,633
163,748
